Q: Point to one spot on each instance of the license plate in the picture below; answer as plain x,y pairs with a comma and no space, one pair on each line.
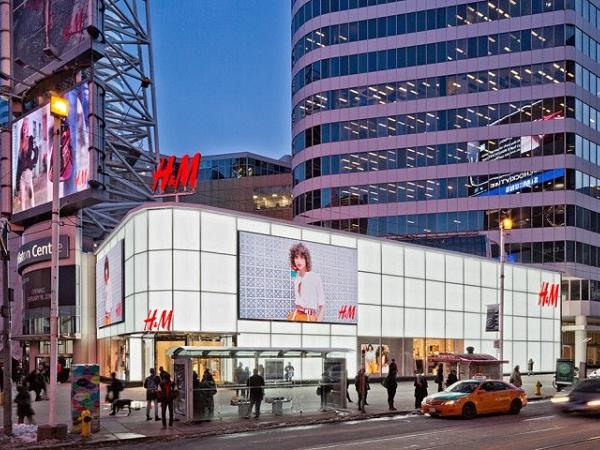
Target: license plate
431,410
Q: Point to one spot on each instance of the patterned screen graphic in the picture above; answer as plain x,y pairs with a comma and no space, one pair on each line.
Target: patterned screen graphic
292,280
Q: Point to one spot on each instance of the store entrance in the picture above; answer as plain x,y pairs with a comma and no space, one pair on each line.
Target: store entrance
161,347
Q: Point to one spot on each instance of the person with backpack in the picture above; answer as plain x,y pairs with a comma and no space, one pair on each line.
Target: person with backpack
151,384
167,395
114,392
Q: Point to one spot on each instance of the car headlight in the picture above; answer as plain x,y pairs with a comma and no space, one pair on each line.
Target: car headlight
593,403
450,402
559,399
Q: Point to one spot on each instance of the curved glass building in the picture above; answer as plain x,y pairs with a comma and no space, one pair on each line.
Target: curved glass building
432,120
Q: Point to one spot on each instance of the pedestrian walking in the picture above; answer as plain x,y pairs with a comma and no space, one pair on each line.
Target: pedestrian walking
452,378
163,374
391,384
515,377
439,377
347,386
151,384
323,390
361,383
256,384
289,372
114,392
393,367
36,383
209,390
530,367
167,394
238,375
24,409
420,389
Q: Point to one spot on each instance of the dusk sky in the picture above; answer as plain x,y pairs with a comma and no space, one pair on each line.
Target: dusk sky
222,75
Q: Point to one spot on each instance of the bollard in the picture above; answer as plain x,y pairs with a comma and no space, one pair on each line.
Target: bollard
538,388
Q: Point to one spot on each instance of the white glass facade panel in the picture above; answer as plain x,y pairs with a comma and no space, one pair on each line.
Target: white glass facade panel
186,229
392,321
472,271
218,233
392,258
218,272
416,262
186,270
414,292
454,269
218,312
186,311
414,322
140,222
160,229
435,294
160,270
392,290
472,299
369,288
454,296
454,325
140,271
369,256
435,266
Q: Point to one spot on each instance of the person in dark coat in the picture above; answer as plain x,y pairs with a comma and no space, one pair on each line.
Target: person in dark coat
151,384
167,394
361,383
114,392
393,367
452,378
36,383
197,396
420,389
439,377
208,389
256,384
24,409
391,384
324,389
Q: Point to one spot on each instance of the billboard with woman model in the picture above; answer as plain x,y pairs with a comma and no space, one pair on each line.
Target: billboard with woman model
32,149
109,287
298,281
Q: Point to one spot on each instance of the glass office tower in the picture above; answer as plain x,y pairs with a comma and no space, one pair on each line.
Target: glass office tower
432,120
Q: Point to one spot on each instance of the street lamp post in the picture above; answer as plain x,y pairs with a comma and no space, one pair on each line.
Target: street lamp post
505,225
59,108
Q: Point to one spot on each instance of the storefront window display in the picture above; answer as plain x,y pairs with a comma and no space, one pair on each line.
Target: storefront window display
112,354
424,348
377,358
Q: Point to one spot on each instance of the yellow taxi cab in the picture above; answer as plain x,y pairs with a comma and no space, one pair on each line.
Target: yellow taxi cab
477,396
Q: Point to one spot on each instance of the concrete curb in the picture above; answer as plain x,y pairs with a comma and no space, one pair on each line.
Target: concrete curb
250,427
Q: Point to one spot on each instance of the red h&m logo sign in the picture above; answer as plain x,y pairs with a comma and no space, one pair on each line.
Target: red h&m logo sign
154,322
548,295
347,312
176,177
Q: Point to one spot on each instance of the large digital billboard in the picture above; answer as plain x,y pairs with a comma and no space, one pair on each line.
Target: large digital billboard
291,280
48,34
511,183
109,287
32,148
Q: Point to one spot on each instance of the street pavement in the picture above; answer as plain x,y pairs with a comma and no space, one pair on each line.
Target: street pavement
135,430
538,427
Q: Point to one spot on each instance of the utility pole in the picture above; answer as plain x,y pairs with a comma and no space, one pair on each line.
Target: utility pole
6,338
59,108
505,225
5,207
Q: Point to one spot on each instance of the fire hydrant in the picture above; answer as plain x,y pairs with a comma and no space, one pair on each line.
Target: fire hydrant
538,388
86,423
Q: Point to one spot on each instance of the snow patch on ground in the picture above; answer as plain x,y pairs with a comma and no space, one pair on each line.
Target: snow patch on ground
22,434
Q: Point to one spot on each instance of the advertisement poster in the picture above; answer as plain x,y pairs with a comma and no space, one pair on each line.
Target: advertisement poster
32,149
492,322
37,289
109,287
85,394
291,280
374,355
56,25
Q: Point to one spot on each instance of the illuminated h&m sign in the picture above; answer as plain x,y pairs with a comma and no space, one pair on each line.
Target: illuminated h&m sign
548,295
173,177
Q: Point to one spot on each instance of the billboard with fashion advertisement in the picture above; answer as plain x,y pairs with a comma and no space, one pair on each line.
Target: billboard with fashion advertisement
48,34
292,280
32,148
110,308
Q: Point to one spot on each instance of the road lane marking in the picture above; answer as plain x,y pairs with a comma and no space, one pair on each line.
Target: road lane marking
564,444
369,441
540,418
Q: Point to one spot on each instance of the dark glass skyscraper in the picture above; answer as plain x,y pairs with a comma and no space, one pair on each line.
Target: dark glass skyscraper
432,121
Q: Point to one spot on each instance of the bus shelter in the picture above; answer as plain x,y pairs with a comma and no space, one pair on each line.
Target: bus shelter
297,380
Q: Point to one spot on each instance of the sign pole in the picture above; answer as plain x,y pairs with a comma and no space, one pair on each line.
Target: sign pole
54,271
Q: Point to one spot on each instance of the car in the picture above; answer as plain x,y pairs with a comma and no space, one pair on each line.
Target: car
583,398
470,398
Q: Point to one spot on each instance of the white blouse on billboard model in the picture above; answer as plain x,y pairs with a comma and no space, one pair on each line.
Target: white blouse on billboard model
309,297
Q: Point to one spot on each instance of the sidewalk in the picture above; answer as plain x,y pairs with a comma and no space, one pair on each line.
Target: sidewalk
135,427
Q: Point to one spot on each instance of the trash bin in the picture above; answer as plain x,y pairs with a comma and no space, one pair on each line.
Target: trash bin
277,407
244,409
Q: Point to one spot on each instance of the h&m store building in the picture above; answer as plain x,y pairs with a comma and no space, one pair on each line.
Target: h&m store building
180,274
